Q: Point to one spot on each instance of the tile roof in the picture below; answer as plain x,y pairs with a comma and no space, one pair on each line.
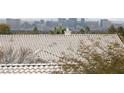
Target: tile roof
49,47
29,68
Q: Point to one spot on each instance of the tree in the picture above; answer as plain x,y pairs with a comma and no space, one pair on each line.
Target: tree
62,29
35,30
4,29
51,32
120,31
82,31
90,61
87,30
58,30
112,30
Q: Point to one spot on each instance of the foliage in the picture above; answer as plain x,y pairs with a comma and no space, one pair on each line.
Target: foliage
120,31
94,60
58,30
4,29
87,30
112,30
35,30
82,31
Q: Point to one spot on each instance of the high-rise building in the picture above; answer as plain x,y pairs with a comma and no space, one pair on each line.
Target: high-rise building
37,24
62,20
26,26
105,24
72,22
93,25
42,21
14,24
82,22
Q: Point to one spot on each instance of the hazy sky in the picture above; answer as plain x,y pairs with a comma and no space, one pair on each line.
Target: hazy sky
88,19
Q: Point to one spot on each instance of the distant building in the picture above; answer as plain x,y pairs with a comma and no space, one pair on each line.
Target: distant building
105,24
51,25
2,21
26,26
14,24
117,25
82,22
62,20
72,22
93,25
42,21
37,24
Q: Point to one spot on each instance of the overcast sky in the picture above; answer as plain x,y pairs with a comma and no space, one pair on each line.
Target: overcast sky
112,19
88,19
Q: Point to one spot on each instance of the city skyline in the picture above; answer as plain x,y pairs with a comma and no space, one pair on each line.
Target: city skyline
55,19
75,24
